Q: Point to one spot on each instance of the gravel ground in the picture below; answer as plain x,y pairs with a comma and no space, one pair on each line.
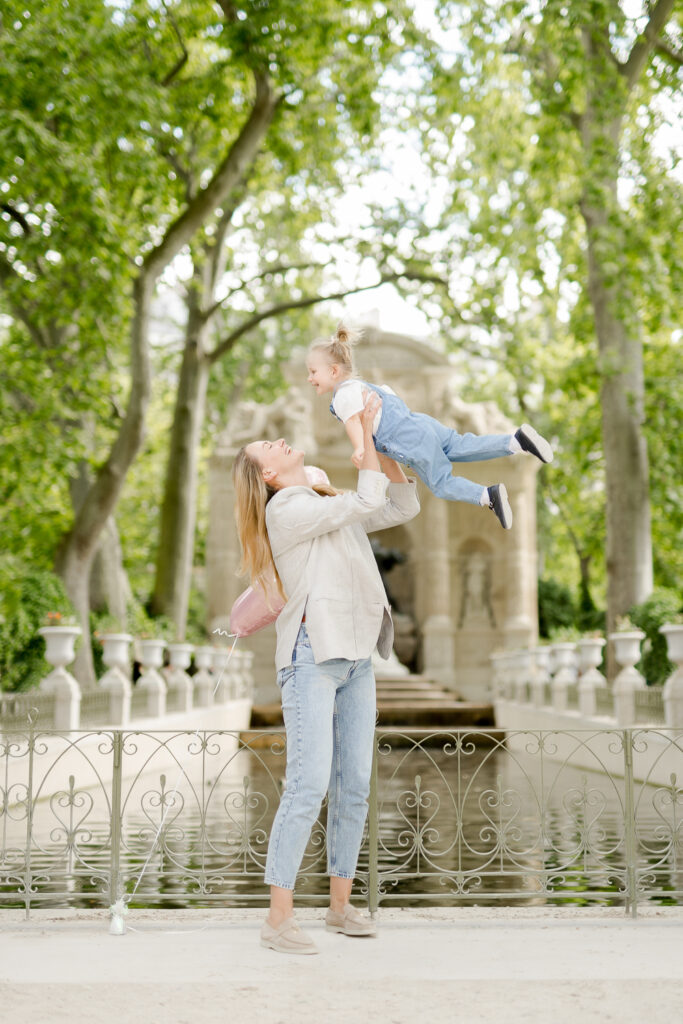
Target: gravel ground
440,965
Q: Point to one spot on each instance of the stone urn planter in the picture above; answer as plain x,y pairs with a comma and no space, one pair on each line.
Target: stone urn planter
627,647
151,652
180,655
590,653
60,644
674,641
115,649
203,658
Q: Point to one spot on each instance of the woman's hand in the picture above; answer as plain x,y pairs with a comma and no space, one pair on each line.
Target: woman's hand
369,460
373,404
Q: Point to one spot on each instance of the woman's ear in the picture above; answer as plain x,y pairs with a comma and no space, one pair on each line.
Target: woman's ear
268,474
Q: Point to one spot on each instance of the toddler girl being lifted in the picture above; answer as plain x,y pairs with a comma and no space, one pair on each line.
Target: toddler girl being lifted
413,438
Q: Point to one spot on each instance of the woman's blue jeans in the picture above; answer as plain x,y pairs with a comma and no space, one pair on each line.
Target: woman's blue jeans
329,711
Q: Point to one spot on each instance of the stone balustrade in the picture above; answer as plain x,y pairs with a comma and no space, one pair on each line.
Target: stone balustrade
565,678
217,677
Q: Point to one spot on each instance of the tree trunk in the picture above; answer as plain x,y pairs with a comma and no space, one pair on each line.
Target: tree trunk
74,558
110,590
622,391
179,508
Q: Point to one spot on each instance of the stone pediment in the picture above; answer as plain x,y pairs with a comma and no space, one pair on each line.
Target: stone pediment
395,352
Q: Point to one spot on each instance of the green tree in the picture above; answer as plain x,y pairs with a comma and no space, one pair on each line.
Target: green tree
545,118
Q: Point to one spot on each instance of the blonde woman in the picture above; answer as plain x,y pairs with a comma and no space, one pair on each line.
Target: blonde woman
315,542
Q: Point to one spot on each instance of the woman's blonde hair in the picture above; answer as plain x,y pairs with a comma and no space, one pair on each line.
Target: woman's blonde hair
252,494
339,347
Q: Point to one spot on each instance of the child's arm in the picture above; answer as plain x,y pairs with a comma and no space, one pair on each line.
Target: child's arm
392,470
354,429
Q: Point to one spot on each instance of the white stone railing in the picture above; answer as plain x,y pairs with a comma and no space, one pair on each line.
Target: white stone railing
59,703
565,677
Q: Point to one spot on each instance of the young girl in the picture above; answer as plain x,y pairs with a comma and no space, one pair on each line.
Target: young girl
412,438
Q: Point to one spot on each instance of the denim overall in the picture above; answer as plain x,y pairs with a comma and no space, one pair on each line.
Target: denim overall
421,442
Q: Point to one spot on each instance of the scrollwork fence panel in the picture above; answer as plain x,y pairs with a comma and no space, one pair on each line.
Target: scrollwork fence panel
183,819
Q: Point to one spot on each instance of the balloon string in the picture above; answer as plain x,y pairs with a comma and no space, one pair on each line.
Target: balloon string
119,908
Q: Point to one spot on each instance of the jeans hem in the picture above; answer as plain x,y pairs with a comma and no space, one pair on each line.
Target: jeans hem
333,873
280,885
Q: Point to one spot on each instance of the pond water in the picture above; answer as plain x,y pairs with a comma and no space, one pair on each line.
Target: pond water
456,824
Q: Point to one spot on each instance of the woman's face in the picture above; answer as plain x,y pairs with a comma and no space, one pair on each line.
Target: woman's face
277,459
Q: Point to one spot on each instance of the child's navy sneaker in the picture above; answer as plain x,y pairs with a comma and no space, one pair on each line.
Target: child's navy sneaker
498,503
532,442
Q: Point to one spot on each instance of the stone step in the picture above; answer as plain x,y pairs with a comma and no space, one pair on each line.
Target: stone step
454,714
401,713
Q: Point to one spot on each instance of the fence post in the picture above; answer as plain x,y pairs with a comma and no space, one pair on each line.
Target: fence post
629,826
115,886
373,837
28,886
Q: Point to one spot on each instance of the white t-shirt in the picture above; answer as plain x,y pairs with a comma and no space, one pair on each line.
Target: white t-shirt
349,399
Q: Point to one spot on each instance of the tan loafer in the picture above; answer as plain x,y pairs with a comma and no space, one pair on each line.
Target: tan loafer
351,922
288,937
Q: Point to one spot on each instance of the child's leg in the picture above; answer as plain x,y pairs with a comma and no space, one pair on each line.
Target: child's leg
469,447
434,468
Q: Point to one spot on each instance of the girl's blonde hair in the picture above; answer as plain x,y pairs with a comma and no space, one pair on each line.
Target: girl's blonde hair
252,494
339,347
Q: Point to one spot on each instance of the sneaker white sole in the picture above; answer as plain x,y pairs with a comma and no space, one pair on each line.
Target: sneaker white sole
544,449
507,509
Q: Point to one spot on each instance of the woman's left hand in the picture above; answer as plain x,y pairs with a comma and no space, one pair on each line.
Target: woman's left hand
373,404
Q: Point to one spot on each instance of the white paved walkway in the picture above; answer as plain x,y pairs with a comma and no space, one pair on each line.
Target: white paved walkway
470,964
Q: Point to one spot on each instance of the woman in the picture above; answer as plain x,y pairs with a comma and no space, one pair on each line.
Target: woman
336,613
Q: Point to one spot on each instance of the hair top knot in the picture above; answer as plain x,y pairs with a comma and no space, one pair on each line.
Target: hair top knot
339,346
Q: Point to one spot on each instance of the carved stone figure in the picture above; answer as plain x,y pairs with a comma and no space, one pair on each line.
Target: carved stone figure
475,606
288,416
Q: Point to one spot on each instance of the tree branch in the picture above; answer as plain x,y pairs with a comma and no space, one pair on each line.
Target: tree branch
646,41
17,216
19,311
666,50
235,164
182,60
228,342
280,268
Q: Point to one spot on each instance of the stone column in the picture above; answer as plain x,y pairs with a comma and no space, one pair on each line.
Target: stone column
203,679
540,675
177,679
673,687
564,656
151,682
116,681
59,643
590,656
627,653
519,625
438,652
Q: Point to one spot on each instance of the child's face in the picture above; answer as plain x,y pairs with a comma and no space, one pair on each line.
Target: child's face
322,374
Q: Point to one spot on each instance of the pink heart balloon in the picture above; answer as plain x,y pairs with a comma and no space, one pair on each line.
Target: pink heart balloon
250,612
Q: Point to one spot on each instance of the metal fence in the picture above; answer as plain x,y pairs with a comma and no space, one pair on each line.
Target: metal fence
467,816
